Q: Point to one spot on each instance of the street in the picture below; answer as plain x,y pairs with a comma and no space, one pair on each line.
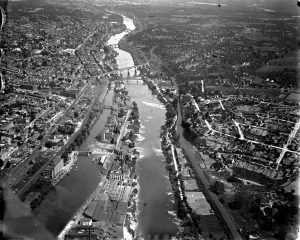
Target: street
212,198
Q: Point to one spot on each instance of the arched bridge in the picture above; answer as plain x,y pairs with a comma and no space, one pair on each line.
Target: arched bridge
84,153
118,71
113,45
108,107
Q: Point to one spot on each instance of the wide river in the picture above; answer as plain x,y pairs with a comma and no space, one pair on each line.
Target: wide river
156,214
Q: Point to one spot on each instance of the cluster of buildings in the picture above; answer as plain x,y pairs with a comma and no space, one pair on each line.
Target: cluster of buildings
113,154
107,211
37,53
235,125
237,82
24,120
48,68
199,44
245,144
188,193
195,197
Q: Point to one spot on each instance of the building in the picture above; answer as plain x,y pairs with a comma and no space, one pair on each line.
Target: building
106,136
69,93
31,87
116,175
54,167
98,230
110,204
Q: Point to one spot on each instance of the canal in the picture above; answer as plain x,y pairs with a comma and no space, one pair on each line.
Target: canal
68,195
156,215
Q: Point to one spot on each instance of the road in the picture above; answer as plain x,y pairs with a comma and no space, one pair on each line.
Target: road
291,137
78,214
122,69
194,157
123,129
213,198
293,133
239,129
72,51
71,139
17,174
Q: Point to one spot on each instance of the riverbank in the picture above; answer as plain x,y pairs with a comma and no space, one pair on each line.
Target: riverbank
78,214
117,184
38,192
193,221
66,169
149,194
138,55
112,164
169,137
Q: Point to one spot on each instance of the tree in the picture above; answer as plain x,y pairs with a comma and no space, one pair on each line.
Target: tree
48,144
218,188
135,107
106,49
216,165
236,203
8,164
281,234
121,113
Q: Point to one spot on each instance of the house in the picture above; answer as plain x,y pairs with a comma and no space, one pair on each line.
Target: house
70,93
85,221
31,87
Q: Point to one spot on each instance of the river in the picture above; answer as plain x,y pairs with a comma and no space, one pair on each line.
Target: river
156,215
60,204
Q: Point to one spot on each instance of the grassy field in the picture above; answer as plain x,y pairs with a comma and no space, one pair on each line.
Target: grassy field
247,91
290,61
274,68
209,224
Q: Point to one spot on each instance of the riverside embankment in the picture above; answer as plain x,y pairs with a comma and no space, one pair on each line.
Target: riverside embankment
155,208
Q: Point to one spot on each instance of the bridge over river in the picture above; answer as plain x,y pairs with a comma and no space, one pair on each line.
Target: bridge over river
86,152
120,70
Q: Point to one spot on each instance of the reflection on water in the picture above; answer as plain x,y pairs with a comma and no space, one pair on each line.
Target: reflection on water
69,194
123,59
155,105
157,216
60,204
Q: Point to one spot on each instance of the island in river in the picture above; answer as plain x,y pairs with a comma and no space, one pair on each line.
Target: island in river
157,217
112,206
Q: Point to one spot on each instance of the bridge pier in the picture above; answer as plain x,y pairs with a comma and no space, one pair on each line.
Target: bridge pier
113,45
84,153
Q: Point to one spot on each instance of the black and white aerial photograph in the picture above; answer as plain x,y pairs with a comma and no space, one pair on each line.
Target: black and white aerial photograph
149,119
